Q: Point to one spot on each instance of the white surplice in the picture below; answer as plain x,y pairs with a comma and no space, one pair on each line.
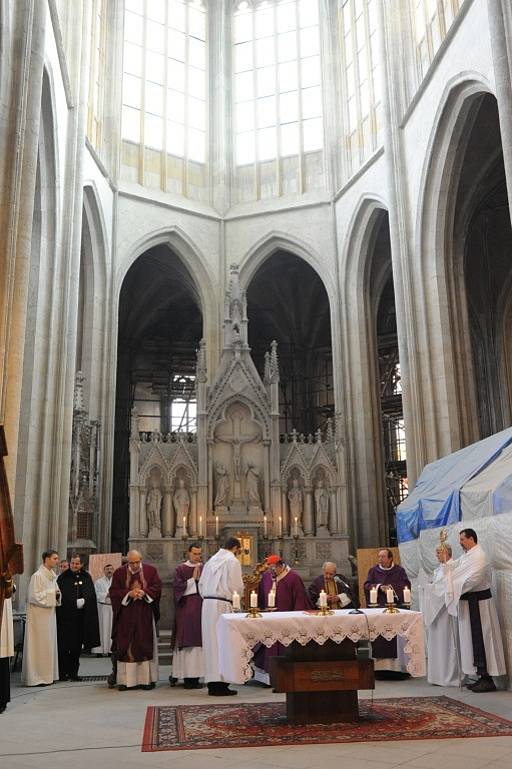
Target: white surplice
102,586
442,634
220,578
471,573
7,631
40,657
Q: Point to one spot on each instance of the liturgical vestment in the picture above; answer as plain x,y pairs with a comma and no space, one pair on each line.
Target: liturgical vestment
40,656
187,657
385,653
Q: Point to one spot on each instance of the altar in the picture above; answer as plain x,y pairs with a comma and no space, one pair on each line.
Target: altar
319,672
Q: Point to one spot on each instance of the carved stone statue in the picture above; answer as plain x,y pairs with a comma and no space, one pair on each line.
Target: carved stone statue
295,500
153,506
181,501
321,504
222,486
252,491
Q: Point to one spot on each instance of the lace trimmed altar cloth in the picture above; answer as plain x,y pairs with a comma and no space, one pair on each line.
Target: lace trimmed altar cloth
237,635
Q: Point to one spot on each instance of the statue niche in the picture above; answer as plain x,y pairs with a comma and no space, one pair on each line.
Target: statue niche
154,504
296,505
322,501
181,502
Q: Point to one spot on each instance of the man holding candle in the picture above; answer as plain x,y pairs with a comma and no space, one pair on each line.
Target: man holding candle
187,659
220,578
283,588
389,581
336,587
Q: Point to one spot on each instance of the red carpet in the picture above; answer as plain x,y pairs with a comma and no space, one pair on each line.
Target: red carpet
190,727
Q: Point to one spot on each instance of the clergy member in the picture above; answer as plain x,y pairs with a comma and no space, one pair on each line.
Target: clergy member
102,586
135,595
386,575
468,597
40,656
442,632
339,592
6,652
289,594
220,578
77,618
187,657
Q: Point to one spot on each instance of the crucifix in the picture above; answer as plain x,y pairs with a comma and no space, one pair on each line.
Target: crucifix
237,439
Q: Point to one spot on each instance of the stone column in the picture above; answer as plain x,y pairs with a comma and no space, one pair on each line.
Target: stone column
192,523
143,522
284,511
134,510
266,477
167,511
334,514
308,511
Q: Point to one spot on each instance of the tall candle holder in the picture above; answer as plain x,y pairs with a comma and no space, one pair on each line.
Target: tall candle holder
296,550
184,539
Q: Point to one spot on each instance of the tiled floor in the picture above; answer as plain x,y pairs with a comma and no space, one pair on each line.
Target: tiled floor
87,726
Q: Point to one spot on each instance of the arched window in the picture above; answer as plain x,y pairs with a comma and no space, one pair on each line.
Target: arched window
96,72
361,79
431,21
164,116
278,110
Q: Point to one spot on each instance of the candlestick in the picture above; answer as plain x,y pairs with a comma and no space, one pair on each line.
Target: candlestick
373,595
254,600
322,599
236,601
271,600
390,596
264,525
216,525
407,595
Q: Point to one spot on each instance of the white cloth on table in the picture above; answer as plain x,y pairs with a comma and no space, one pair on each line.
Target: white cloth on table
472,573
237,635
40,656
7,631
220,578
102,586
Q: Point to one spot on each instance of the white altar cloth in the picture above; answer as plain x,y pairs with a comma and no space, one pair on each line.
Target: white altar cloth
237,635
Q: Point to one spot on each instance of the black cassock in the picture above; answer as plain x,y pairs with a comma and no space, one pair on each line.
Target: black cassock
76,628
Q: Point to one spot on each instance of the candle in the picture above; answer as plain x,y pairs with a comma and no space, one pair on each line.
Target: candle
271,600
265,525
254,600
280,526
200,525
296,528
373,595
184,524
236,601
407,595
390,596
322,599
217,530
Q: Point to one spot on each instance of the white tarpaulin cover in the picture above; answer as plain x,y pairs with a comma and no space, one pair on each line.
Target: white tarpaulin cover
489,492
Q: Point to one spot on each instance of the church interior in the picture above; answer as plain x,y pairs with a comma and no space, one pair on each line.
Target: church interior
255,281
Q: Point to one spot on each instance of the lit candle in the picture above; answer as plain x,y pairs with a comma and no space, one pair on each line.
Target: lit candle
296,529
280,526
407,595
200,525
271,600
184,524
217,531
373,595
236,601
265,525
254,600
322,599
390,596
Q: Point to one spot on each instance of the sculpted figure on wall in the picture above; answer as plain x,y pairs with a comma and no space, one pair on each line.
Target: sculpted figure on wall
321,504
222,486
181,501
154,503
252,491
296,501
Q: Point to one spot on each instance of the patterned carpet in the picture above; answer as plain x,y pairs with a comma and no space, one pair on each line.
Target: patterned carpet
190,727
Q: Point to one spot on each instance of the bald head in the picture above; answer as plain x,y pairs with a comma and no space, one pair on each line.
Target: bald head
329,569
134,559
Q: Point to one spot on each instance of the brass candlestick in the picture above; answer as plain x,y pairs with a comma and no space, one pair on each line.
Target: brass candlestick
253,613
296,550
323,611
391,609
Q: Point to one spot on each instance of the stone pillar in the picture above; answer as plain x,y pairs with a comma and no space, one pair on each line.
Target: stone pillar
266,477
334,513
193,519
167,511
134,510
143,522
308,511
284,511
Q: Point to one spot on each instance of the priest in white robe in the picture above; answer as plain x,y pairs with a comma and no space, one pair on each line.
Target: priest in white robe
441,627
102,586
40,655
220,578
468,597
